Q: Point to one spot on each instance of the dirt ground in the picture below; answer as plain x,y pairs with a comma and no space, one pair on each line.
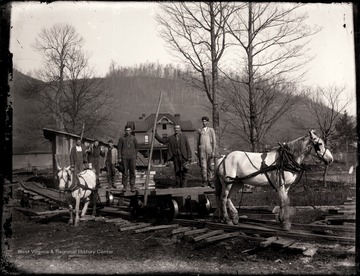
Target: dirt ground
95,247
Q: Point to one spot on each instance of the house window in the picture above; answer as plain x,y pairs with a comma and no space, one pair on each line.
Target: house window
146,139
164,126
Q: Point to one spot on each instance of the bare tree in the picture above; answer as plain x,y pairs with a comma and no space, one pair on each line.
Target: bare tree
197,33
272,40
271,102
327,104
70,93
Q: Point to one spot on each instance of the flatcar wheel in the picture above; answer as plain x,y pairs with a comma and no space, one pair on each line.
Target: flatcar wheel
170,209
205,207
109,198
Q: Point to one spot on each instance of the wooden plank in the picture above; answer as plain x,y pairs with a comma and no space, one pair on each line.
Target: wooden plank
26,211
196,231
154,228
267,231
133,227
115,220
87,218
300,246
282,242
222,237
37,197
207,235
121,223
54,212
268,241
181,230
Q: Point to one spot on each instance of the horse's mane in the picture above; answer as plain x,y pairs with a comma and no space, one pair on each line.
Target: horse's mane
297,146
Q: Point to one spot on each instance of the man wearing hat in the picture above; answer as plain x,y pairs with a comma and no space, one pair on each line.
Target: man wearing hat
128,147
179,152
206,145
110,161
96,151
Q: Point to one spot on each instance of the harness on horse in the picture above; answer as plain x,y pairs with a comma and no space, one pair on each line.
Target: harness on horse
285,162
75,185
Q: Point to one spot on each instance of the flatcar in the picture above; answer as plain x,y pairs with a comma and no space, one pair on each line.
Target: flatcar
168,203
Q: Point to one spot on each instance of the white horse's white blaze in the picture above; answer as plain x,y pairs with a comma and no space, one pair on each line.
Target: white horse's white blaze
83,191
261,169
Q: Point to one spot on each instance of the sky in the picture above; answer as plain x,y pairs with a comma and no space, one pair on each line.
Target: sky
127,33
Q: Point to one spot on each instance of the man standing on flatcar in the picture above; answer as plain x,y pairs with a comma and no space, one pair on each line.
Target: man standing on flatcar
179,152
128,148
206,145
110,162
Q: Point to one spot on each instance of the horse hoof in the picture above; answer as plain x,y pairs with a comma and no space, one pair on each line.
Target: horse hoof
235,221
70,222
229,222
286,226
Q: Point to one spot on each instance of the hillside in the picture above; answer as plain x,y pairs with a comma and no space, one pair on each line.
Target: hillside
132,97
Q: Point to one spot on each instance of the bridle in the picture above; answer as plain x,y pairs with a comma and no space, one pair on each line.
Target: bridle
66,179
316,146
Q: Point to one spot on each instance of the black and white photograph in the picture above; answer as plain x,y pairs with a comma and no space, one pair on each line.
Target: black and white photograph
179,138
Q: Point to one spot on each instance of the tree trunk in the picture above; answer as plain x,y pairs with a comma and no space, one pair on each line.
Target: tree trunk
214,75
252,104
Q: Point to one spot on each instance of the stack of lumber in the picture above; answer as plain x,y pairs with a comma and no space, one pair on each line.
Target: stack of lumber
139,180
345,214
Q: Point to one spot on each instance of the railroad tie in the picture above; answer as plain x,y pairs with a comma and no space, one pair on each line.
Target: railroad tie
222,237
196,231
207,235
181,230
154,228
133,227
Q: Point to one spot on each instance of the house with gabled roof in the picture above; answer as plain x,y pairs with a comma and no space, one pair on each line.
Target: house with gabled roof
143,129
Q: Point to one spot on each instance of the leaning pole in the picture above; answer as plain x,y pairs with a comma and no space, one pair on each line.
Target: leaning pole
151,152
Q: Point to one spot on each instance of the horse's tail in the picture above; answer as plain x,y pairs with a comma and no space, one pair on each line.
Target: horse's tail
218,172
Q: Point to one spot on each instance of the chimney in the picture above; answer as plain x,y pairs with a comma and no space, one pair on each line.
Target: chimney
143,115
177,116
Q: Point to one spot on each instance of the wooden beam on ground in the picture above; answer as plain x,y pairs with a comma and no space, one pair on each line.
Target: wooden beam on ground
207,235
268,241
251,229
282,242
181,230
154,228
133,227
115,220
222,237
196,231
54,212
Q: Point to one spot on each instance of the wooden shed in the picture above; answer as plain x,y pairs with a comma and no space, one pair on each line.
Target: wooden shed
62,142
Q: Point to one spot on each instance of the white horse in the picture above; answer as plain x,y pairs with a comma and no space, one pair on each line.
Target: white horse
280,168
82,190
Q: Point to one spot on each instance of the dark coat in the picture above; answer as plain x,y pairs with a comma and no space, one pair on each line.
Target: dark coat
77,159
127,147
171,143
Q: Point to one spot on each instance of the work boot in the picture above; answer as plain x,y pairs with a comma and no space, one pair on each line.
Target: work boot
211,184
124,188
132,185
